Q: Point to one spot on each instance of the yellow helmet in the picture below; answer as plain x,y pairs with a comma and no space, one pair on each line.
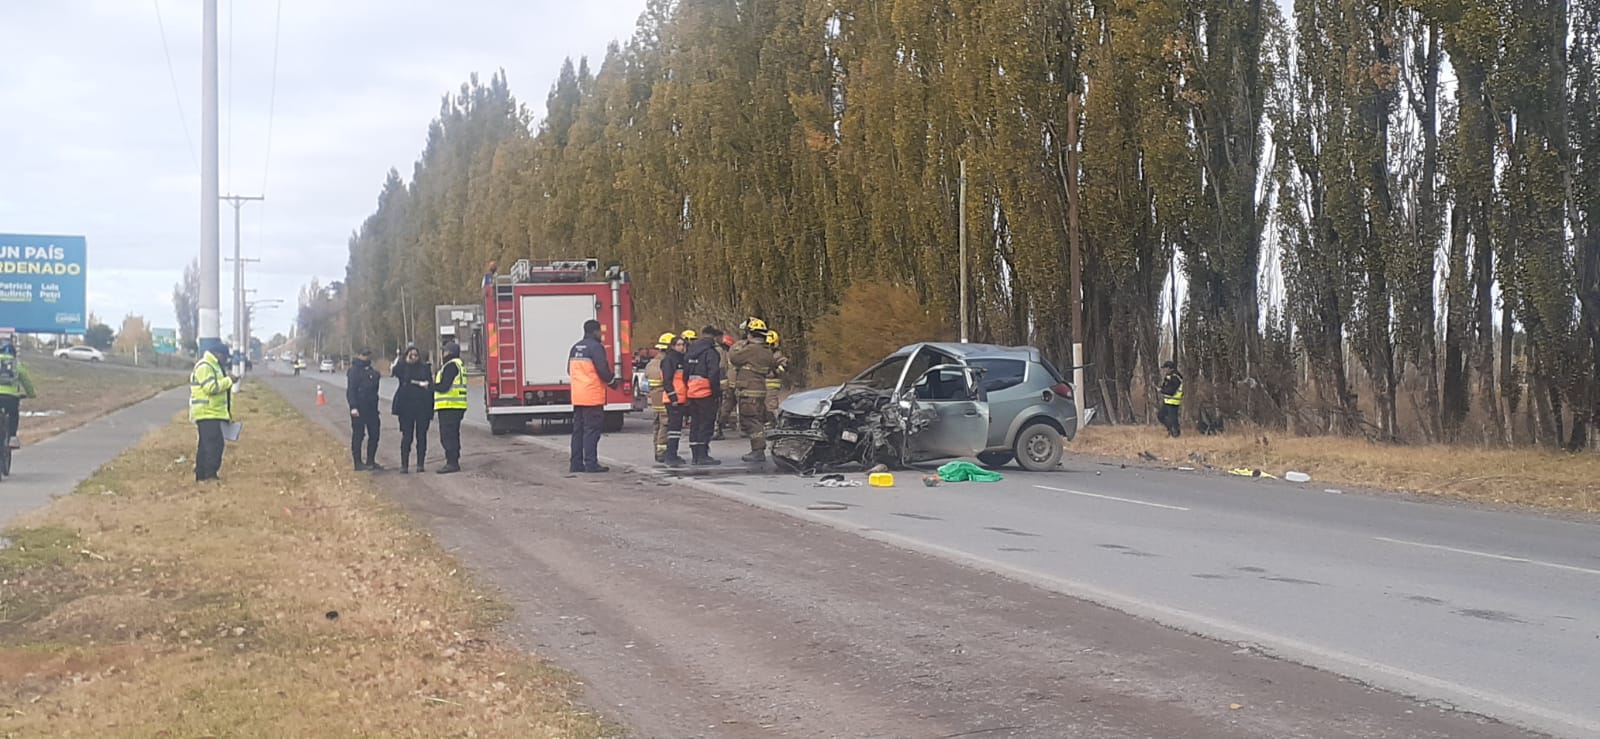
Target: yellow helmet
689,335
756,325
665,340
772,337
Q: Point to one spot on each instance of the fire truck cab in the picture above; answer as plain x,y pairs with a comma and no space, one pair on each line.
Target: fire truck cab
535,313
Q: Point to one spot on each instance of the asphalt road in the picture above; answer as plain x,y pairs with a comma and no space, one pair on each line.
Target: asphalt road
1491,612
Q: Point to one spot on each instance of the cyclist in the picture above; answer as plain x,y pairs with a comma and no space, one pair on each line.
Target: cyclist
15,384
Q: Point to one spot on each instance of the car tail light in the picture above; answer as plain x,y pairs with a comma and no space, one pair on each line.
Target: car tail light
1062,389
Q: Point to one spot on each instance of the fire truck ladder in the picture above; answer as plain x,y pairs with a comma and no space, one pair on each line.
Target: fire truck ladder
505,326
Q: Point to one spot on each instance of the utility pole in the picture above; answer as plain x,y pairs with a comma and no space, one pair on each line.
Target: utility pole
238,201
1073,241
961,187
210,274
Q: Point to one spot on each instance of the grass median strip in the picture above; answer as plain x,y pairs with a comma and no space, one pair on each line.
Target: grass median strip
1532,477
72,393
289,600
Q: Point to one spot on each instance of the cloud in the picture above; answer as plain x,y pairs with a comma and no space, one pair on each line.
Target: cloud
93,142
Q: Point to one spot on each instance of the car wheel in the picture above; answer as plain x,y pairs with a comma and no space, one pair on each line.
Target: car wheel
1039,448
994,460
613,422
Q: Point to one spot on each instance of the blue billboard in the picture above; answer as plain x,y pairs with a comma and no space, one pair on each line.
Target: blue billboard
42,283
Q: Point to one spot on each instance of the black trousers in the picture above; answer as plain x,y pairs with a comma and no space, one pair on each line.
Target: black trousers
365,425
414,427
703,420
12,405
450,433
587,421
208,454
1169,415
675,414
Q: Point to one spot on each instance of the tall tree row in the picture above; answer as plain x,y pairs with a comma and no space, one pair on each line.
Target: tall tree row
1381,212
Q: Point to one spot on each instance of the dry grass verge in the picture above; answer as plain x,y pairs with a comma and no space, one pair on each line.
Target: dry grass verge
1529,477
83,391
288,600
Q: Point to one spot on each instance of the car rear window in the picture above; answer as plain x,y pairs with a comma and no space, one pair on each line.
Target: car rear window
999,374
1055,374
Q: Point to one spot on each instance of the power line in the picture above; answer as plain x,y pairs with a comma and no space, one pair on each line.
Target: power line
272,99
173,76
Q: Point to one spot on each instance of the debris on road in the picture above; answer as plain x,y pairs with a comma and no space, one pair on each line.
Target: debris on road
835,480
1148,457
1297,477
931,481
827,507
1247,472
959,471
880,480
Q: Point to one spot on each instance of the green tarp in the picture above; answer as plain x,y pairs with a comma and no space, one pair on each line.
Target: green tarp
967,472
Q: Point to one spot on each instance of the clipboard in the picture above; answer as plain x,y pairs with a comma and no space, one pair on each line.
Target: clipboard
231,431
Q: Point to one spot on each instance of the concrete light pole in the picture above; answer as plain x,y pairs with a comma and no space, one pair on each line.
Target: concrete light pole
210,300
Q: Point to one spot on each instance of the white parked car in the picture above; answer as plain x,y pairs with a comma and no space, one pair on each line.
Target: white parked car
82,352
325,366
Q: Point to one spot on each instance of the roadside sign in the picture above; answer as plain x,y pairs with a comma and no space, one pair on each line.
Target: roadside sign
42,283
165,340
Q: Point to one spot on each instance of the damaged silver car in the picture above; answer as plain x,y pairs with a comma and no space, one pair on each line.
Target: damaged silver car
932,401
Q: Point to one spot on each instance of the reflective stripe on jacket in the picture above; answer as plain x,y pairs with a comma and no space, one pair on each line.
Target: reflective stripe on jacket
209,399
454,398
590,373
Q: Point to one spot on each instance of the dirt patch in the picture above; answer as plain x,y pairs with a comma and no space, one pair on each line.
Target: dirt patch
1530,477
276,603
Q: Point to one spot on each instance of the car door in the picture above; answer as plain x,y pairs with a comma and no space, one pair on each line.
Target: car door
946,395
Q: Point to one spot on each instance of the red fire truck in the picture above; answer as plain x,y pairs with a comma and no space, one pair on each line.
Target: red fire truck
534,315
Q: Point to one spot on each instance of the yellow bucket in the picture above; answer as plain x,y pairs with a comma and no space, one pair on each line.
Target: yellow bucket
880,480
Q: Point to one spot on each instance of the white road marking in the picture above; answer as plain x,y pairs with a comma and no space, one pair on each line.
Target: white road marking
1111,497
1490,555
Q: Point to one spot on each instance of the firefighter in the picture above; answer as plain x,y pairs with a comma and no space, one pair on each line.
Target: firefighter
675,386
775,382
703,365
591,375
753,364
450,403
1171,399
210,408
658,395
728,411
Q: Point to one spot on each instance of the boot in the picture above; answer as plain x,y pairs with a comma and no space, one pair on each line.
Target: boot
702,456
756,456
661,454
594,469
449,468
673,460
372,464
421,467
360,467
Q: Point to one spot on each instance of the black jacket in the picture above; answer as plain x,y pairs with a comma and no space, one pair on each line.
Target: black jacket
411,399
361,385
703,359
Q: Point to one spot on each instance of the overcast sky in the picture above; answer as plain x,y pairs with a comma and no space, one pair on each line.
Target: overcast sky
92,141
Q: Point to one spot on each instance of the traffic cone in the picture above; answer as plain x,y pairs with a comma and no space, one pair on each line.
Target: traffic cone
321,399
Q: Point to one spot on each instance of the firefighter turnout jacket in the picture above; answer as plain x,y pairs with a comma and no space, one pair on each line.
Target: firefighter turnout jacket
754,363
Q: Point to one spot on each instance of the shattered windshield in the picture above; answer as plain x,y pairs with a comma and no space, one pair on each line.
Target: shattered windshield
883,376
